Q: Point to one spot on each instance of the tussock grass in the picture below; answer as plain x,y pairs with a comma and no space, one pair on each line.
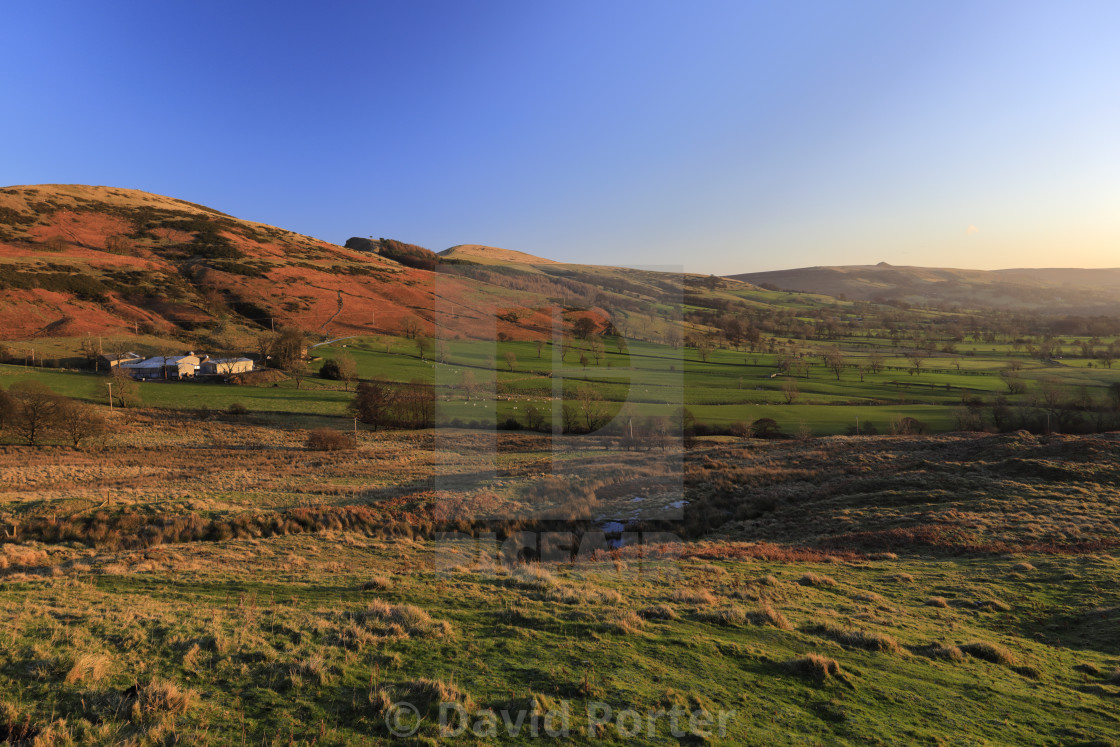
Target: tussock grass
378,583
937,602
314,668
394,620
735,617
816,579
625,622
659,612
816,667
853,638
698,597
871,597
992,652
157,698
533,576
425,692
947,652
87,668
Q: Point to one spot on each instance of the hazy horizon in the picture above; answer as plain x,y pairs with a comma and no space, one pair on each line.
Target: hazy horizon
728,138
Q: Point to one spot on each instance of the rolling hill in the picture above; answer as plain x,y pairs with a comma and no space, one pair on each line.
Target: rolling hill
1039,290
493,255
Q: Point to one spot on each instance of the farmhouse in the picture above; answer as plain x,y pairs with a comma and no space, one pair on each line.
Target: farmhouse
225,366
175,367
108,362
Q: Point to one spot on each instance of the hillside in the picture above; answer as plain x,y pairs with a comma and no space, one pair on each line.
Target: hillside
1064,290
78,260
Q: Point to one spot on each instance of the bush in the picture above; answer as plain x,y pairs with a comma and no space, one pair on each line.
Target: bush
330,370
328,439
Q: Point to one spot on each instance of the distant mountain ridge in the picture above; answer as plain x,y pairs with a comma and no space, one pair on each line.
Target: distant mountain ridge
1030,289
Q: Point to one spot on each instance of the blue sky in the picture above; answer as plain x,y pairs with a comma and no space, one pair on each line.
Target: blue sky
722,136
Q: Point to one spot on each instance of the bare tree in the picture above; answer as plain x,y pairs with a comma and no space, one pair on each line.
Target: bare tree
7,409
917,357
373,403
511,359
297,369
423,346
790,391
534,418
410,327
36,410
124,390
592,407
835,361
264,342
347,369
80,422
469,384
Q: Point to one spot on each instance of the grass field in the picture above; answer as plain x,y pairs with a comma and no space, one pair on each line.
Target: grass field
204,581
721,386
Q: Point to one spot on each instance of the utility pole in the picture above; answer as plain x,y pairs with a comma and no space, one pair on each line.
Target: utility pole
355,430
110,396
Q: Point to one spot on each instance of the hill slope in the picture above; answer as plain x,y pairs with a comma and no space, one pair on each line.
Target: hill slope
77,260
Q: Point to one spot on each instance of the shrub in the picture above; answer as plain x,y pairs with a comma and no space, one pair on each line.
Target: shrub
328,439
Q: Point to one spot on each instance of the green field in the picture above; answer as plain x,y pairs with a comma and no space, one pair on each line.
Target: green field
720,386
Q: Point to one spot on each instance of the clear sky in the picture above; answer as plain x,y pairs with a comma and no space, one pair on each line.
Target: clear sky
724,136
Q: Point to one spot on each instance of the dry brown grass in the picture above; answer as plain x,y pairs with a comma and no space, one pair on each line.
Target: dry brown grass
157,698
816,579
533,576
698,597
937,602
87,668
